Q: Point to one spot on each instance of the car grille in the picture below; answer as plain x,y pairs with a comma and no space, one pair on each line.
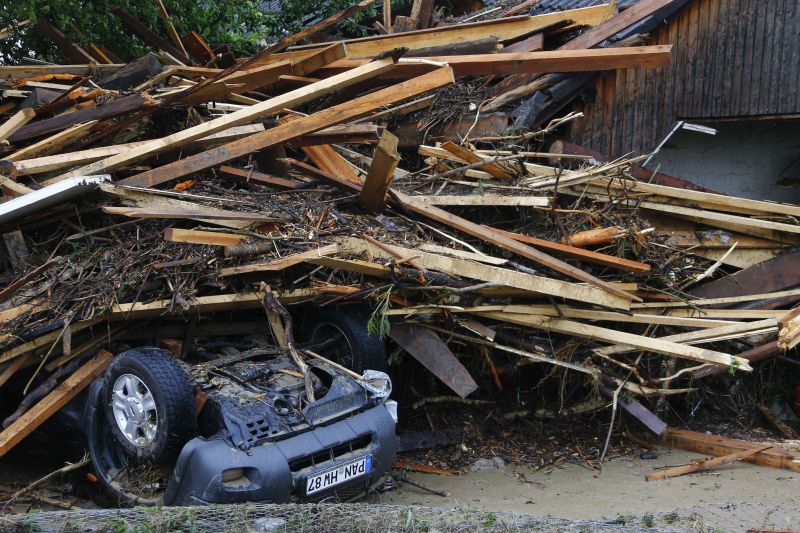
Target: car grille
328,455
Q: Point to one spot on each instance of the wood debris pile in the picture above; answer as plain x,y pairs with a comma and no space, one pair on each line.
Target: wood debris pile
144,199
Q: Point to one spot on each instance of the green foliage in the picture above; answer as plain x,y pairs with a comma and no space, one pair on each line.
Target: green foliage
243,24
378,323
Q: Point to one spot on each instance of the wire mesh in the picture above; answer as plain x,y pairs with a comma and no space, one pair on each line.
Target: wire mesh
363,518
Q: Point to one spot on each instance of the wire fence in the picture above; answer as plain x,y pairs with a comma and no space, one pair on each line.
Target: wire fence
379,518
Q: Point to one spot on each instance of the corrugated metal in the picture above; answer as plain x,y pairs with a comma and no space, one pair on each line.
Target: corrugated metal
731,58
549,6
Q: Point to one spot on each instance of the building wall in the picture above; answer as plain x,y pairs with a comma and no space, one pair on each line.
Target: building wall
730,58
750,159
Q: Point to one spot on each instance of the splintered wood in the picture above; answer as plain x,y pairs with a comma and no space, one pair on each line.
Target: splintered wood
388,172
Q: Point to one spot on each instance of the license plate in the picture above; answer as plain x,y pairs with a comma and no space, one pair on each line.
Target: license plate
339,475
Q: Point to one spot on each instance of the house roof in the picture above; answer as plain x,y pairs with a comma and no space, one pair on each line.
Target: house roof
550,6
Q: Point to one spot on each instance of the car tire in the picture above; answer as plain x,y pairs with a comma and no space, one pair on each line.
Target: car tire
149,405
360,350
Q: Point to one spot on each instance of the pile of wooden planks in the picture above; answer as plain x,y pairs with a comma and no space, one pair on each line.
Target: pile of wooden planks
341,173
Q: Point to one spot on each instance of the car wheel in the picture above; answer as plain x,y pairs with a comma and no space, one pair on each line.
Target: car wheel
350,344
149,405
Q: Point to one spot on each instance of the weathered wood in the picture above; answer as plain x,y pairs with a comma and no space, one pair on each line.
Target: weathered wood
705,464
670,349
259,177
63,393
328,160
280,264
296,128
525,62
776,422
210,238
197,47
498,239
426,347
173,33
257,77
462,153
132,74
774,275
266,108
148,35
404,24
52,144
610,261
17,121
481,272
125,104
481,46
71,51
487,200
720,446
381,172
12,368
315,61
503,29
177,213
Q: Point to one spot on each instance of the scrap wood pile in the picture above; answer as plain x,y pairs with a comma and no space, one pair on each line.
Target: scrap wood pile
366,170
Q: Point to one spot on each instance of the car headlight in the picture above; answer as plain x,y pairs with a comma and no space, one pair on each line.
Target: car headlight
377,383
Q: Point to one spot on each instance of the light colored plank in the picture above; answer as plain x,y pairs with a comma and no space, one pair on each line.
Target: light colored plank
381,172
671,349
487,200
17,120
193,236
716,301
198,212
280,264
54,143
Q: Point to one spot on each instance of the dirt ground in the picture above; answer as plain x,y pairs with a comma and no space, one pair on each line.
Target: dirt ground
575,492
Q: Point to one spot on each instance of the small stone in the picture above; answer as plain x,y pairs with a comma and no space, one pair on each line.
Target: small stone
648,454
495,463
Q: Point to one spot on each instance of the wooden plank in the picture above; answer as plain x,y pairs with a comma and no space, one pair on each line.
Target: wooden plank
39,165
296,128
610,261
487,200
266,108
732,314
462,153
210,238
705,464
719,446
315,61
779,424
328,160
481,272
259,177
32,71
381,172
47,406
503,29
43,340
17,121
498,239
426,347
39,128
197,47
280,264
68,49
671,349
524,62
12,368
701,302
774,275
52,144
257,77
148,35
177,213
712,217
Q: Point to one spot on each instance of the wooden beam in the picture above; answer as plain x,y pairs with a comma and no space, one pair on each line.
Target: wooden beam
468,156
12,368
498,239
503,29
487,200
259,177
171,30
315,61
54,143
481,272
705,464
39,128
257,77
17,121
610,261
671,349
210,238
177,213
47,406
67,48
266,108
328,160
147,35
381,172
280,264
197,47
719,446
31,71
525,62
296,128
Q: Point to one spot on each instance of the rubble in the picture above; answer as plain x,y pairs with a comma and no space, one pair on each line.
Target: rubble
383,170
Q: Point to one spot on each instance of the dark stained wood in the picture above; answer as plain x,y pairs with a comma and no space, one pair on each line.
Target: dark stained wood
68,49
730,58
148,35
132,74
60,122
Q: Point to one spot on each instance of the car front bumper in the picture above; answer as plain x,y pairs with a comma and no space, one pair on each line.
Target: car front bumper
212,471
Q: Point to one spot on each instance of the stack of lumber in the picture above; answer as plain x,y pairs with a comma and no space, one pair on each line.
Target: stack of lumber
144,201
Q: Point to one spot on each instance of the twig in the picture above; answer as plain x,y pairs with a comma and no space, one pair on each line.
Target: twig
423,487
63,470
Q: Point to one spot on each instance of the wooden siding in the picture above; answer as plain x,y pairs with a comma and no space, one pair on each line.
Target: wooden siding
731,58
